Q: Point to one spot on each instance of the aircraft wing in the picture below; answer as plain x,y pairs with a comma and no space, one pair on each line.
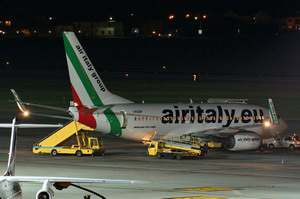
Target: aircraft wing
9,125
42,179
225,132
217,132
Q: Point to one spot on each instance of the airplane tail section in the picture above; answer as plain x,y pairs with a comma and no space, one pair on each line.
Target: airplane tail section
273,115
12,150
87,87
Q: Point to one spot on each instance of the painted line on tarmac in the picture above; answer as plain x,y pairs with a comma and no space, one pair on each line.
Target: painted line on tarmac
207,189
196,197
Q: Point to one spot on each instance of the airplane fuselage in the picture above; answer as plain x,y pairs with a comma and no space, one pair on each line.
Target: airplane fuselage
135,121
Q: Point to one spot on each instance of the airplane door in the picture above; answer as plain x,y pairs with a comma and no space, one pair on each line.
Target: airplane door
124,119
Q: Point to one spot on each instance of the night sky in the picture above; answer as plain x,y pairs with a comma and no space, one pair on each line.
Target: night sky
258,55
66,11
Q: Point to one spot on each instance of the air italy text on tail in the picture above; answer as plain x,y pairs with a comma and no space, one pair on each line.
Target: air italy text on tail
87,87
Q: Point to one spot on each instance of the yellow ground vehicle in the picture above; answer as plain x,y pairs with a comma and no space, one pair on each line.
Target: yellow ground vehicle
60,141
176,146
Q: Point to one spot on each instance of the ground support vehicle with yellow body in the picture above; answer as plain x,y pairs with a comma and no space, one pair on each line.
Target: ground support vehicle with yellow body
175,146
71,139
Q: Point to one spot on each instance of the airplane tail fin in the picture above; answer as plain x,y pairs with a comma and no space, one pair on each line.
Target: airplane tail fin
87,87
12,150
273,115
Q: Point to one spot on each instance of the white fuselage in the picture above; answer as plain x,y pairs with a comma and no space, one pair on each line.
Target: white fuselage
139,121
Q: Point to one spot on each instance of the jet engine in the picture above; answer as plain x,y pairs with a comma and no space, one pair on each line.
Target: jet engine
242,142
45,194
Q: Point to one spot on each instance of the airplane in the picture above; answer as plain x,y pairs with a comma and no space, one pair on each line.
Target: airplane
239,125
10,183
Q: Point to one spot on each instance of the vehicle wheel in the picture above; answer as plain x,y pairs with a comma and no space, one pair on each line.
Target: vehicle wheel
271,146
178,157
54,152
79,153
159,156
292,147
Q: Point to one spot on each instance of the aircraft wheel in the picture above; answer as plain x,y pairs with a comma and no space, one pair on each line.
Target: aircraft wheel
271,146
178,157
292,147
54,152
79,153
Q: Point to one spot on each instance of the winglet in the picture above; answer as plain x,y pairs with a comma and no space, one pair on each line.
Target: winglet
12,150
19,102
273,115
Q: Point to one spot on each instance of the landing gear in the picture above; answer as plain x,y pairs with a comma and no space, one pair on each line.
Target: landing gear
261,148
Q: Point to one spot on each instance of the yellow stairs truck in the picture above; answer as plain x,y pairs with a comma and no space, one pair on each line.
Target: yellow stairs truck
177,146
59,142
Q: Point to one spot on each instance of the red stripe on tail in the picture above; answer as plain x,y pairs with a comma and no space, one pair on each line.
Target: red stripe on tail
86,117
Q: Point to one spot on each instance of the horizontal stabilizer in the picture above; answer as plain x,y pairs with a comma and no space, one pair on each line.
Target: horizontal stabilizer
45,106
52,116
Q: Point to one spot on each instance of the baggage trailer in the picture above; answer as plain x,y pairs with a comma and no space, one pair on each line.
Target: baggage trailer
59,142
176,146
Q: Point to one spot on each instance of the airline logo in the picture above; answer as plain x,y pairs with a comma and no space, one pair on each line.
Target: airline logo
199,115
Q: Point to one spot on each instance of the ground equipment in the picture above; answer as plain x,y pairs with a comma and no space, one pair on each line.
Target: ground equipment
177,146
71,139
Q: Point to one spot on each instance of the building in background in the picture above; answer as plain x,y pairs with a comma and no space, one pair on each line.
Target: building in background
291,23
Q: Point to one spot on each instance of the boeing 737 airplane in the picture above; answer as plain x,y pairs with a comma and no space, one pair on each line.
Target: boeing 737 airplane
10,184
241,125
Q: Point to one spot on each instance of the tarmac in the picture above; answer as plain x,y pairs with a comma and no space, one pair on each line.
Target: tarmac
217,175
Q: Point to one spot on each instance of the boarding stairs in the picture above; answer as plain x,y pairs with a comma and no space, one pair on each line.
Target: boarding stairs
63,135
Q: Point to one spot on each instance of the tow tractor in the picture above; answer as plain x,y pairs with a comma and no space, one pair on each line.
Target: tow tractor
177,146
60,141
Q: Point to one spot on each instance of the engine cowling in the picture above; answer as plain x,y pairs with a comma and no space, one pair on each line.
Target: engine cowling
242,142
45,194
